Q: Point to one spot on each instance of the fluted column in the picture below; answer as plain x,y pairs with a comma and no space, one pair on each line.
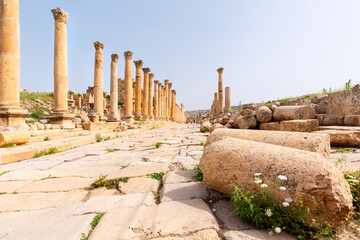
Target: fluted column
173,108
114,105
145,99
170,101
138,92
227,100
160,101
221,89
128,116
156,100
166,99
216,101
151,97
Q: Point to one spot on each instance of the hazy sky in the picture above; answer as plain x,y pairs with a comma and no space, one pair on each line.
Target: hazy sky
269,48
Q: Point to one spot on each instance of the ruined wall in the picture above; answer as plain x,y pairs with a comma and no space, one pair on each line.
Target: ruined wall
345,102
121,89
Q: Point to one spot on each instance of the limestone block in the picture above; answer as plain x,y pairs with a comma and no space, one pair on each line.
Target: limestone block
330,120
183,176
246,122
100,125
40,126
321,108
47,126
183,191
251,106
215,126
264,114
309,175
139,185
319,143
14,137
352,120
308,125
273,126
209,234
319,98
205,126
343,138
293,113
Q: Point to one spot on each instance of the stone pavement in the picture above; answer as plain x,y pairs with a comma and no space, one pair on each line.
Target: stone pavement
51,198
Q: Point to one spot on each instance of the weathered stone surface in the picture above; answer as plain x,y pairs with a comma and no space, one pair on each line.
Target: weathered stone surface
216,126
205,126
256,234
294,102
103,204
330,120
100,125
344,102
183,191
319,143
321,108
177,218
231,122
245,122
12,186
251,106
343,138
264,114
179,177
187,163
138,171
319,98
308,125
14,137
310,175
352,120
201,235
272,126
293,113
30,201
44,224
139,185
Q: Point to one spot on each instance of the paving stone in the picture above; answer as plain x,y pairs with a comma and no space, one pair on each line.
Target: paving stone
44,224
224,212
138,171
31,201
201,235
256,234
187,163
103,192
139,185
24,175
57,185
12,186
177,218
183,191
182,176
102,204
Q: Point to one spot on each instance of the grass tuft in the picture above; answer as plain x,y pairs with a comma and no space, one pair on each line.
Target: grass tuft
157,176
49,152
198,173
158,144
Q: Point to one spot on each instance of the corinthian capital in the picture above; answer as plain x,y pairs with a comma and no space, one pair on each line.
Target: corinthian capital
166,82
114,57
138,63
98,45
220,70
156,82
146,70
60,15
128,54
151,75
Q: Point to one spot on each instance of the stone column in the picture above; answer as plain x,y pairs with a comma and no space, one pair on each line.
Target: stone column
114,103
166,99
145,98
216,101
138,92
61,115
182,113
227,100
170,101
79,101
221,89
98,114
128,116
151,97
160,101
156,100
164,102
173,105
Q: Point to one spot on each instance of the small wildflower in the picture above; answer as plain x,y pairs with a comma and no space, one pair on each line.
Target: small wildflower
268,212
282,177
282,188
354,180
263,185
285,204
257,174
289,200
349,176
271,233
258,181
277,230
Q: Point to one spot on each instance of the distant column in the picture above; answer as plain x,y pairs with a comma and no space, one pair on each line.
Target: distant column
182,113
114,103
128,116
170,101
216,101
166,99
61,115
227,100
79,101
173,105
160,101
221,89
145,98
138,92
151,97
156,100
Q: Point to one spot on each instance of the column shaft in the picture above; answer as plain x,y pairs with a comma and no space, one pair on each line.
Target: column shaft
156,100
128,116
145,99
138,92
227,100
151,97
221,89
114,105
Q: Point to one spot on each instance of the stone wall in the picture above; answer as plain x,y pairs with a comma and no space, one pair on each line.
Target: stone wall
121,89
345,102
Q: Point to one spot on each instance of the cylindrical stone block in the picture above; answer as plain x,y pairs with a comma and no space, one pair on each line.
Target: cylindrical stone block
98,79
293,113
227,100
220,90
145,100
114,106
151,97
156,100
128,116
138,92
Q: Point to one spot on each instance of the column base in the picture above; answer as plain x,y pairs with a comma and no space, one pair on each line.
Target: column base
113,119
146,118
64,119
138,117
97,117
151,118
156,118
128,117
12,116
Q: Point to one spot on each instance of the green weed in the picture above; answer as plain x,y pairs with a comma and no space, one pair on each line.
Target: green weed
108,183
49,152
157,176
4,173
46,139
10,145
202,143
198,173
345,149
158,144
353,179
96,220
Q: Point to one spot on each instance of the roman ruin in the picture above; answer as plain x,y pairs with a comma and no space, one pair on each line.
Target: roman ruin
114,109
138,92
128,116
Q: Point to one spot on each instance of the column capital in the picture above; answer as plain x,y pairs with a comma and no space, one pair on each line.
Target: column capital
166,81
138,63
60,15
114,57
146,70
128,54
98,45
156,81
220,70
170,85
173,91
151,75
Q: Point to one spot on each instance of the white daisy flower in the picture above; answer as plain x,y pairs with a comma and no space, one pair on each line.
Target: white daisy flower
285,204
271,233
263,185
258,181
268,212
277,230
282,188
282,177
289,200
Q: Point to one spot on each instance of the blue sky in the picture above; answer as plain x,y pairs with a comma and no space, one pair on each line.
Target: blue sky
269,48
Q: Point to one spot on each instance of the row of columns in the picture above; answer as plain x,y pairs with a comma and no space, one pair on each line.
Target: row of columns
217,106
